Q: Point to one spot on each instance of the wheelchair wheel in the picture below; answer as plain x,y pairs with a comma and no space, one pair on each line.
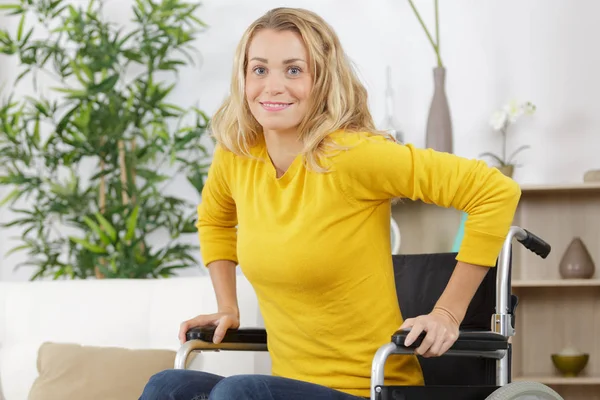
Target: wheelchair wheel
524,391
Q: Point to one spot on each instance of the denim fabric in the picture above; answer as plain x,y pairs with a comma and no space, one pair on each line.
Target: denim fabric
196,385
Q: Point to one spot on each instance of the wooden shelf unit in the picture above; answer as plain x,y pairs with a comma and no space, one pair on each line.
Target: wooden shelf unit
559,380
553,313
522,283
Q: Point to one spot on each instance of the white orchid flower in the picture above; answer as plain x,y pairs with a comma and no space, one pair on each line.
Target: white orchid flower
498,120
528,108
514,110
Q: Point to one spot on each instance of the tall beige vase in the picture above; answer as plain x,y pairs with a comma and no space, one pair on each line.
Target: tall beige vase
439,124
576,262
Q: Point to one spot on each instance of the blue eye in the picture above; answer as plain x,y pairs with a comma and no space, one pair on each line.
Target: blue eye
259,70
296,69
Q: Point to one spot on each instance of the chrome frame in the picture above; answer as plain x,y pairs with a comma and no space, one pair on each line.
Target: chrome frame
199,345
501,323
396,236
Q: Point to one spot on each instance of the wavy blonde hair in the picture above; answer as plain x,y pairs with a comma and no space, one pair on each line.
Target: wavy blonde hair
338,99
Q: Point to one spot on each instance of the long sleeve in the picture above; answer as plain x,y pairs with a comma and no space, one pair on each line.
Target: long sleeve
376,169
217,217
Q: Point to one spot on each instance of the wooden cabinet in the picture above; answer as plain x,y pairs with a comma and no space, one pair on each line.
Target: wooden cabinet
553,312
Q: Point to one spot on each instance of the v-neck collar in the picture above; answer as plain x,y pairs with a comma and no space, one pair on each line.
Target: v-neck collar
289,174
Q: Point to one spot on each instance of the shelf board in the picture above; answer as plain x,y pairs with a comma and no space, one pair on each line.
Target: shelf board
565,187
559,380
555,282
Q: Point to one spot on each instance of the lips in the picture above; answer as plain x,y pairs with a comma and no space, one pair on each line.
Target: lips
274,106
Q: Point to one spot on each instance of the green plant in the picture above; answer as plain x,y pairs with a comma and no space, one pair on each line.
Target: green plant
89,163
436,44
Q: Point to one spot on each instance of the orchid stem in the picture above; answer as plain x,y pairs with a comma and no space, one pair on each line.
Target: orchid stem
504,145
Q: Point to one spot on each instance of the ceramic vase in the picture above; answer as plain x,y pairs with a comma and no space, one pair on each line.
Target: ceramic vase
592,175
576,262
439,124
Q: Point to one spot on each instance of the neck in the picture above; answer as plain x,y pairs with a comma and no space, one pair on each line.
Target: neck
283,148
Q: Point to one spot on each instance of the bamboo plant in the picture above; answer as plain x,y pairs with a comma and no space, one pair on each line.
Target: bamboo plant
87,164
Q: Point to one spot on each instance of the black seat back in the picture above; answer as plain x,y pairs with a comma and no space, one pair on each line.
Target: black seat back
420,281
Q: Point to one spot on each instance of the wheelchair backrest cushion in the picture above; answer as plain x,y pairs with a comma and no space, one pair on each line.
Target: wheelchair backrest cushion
421,279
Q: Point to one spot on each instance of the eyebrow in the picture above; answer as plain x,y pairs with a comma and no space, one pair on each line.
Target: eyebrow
288,61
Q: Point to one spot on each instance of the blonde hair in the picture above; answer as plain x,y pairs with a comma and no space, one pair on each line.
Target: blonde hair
338,99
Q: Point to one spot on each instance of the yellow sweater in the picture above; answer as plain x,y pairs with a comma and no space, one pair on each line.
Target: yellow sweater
316,247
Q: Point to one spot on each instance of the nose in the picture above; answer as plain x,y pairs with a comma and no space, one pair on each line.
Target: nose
275,84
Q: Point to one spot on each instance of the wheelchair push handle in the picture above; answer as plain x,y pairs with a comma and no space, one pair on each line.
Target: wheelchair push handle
534,243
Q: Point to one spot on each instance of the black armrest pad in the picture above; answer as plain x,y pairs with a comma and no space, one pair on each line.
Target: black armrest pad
467,340
242,335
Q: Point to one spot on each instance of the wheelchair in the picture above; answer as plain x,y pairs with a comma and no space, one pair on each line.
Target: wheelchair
476,367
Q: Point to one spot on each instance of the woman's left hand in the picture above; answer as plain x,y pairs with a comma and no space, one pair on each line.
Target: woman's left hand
442,332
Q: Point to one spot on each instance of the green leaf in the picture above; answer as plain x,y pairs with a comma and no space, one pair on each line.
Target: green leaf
58,274
18,248
22,75
89,246
110,230
104,86
197,181
495,157
20,29
169,271
105,271
517,151
170,65
72,94
189,227
198,21
131,223
12,196
151,175
91,6
94,227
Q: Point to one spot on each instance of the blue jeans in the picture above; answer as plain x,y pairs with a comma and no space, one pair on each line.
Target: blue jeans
195,385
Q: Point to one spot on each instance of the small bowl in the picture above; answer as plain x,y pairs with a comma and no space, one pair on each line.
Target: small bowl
570,365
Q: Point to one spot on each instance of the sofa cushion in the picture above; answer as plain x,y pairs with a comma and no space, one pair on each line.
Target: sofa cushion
72,371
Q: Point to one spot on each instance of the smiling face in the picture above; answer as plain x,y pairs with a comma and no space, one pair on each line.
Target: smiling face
278,80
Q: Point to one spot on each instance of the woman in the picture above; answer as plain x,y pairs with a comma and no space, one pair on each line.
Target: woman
306,178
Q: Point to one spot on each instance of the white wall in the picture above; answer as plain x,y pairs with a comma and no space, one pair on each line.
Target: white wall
494,50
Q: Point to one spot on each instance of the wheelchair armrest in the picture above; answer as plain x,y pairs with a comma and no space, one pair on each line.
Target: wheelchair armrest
468,341
201,339
241,335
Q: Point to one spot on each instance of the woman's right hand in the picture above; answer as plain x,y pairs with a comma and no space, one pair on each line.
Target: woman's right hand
222,320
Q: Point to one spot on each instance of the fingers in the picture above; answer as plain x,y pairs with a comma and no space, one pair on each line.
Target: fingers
432,344
428,341
183,328
416,327
447,344
200,320
437,342
407,324
222,325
